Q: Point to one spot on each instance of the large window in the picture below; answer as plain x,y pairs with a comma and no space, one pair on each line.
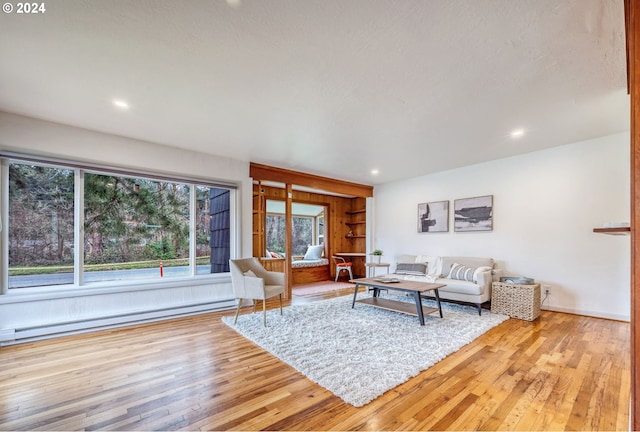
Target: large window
130,227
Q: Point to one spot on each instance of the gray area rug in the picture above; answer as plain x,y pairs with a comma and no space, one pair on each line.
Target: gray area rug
358,354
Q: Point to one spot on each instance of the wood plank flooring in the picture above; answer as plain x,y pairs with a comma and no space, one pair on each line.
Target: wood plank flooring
559,372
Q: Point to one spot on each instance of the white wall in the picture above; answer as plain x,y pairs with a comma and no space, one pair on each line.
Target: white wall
546,205
25,314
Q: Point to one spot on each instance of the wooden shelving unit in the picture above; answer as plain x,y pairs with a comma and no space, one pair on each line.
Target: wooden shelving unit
356,221
357,224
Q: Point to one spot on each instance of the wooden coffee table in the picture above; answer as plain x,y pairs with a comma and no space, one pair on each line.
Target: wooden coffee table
413,287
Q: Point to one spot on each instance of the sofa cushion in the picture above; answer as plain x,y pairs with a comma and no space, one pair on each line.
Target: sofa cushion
459,287
418,269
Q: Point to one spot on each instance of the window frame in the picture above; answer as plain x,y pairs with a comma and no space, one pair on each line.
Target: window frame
79,170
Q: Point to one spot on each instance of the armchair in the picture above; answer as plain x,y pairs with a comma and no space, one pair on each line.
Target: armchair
252,282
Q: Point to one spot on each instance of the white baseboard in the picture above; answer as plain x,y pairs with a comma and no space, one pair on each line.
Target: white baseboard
14,336
7,335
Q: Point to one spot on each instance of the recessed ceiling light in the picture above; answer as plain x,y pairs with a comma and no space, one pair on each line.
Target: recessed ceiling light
375,172
121,104
517,133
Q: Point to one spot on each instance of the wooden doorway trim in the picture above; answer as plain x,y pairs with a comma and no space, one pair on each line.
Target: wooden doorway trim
262,173
632,11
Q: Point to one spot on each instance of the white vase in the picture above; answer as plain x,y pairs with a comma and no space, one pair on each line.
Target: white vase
376,259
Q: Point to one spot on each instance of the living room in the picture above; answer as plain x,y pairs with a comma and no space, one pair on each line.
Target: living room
546,203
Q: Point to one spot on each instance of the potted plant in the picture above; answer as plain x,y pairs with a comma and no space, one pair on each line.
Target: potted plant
376,254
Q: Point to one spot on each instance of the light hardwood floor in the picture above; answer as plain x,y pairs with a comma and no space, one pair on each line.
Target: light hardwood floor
559,372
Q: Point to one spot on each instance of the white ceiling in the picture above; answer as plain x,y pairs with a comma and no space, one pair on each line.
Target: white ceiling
330,87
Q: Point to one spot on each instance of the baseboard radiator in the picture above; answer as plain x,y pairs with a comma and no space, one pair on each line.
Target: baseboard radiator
29,334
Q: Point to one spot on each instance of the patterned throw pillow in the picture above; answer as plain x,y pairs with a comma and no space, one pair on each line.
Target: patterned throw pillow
417,269
464,273
460,272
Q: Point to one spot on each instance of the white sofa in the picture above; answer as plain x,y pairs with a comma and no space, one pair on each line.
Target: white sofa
470,282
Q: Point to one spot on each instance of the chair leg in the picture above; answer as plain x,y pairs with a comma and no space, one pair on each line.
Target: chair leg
350,273
280,295
237,311
337,273
264,311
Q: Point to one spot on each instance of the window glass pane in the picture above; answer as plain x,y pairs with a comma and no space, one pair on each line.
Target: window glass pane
302,235
275,230
41,201
135,228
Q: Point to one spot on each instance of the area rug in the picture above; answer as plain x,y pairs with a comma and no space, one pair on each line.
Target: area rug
319,288
358,354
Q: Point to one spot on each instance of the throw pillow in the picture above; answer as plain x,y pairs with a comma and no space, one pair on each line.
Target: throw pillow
460,272
465,273
275,255
314,252
417,269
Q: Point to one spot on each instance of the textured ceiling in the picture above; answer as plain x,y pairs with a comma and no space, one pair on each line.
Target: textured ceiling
331,87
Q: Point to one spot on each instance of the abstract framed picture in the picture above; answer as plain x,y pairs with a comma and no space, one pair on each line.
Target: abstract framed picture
473,214
433,217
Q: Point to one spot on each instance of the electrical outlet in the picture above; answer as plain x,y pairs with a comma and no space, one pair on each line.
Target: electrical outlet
547,289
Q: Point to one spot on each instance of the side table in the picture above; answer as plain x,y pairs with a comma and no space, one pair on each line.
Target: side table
516,300
371,268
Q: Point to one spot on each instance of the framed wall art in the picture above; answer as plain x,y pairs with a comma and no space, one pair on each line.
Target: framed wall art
433,217
473,214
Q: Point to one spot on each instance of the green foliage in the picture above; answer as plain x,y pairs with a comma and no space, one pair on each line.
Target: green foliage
162,249
142,217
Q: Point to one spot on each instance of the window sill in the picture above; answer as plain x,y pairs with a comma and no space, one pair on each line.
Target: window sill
20,295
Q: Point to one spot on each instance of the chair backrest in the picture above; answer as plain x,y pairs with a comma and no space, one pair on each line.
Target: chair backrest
238,268
338,260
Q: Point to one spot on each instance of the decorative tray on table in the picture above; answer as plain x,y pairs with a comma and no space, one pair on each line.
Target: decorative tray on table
386,280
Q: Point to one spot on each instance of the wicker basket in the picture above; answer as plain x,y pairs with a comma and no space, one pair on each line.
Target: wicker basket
517,301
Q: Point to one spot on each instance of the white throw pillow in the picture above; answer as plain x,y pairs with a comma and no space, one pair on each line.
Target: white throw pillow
314,252
434,263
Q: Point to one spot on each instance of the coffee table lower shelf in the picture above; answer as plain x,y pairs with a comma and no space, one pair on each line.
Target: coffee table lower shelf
396,306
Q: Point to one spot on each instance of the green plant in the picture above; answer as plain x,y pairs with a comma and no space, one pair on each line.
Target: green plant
377,252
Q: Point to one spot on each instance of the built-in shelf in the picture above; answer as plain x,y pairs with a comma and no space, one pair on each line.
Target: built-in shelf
356,223
356,211
613,231
356,236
